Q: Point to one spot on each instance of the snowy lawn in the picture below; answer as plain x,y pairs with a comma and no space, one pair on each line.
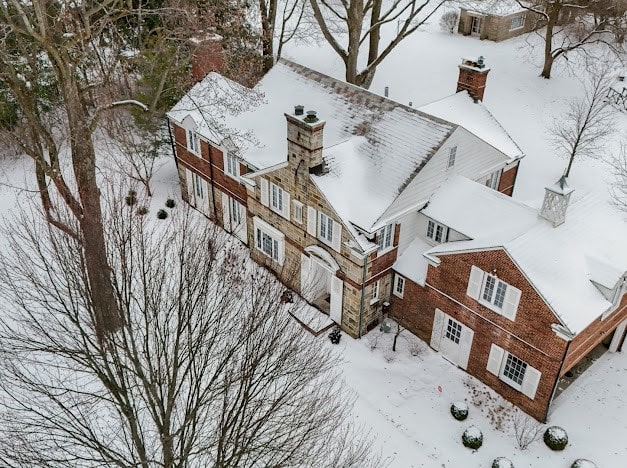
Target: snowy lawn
404,399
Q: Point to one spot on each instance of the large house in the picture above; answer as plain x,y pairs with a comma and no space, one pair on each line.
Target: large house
367,208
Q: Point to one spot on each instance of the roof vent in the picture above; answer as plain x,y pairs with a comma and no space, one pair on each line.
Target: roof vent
481,62
311,117
298,110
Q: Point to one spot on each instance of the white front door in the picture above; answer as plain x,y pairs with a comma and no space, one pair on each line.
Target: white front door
452,339
234,217
475,28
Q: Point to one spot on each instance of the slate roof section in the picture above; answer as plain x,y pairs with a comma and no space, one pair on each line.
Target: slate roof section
561,262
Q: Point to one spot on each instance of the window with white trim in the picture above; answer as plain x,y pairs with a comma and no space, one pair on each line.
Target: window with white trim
517,22
231,164
437,232
236,214
399,286
297,211
199,186
494,291
386,237
269,240
375,292
493,180
452,154
193,141
325,228
276,198
513,370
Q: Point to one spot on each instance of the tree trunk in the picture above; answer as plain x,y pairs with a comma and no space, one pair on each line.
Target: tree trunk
268,22
355,24
548,65
553,14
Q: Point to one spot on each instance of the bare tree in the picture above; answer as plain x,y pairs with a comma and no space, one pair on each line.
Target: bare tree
363,23
206,370
526,429
571,25
582,130
449,21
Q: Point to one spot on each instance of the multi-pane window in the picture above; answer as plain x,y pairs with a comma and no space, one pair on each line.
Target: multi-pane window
267,244
517,22
193,141
494,291
399,286
325,228
514,370
436,231
198,186
276,198
493,180
385,236
453,330
232,165
297,211
236,215
452,153
375,292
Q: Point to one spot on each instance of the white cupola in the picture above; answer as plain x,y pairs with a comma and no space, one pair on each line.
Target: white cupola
556,199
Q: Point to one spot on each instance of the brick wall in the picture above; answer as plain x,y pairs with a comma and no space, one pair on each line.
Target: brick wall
595,333
529,337
507,181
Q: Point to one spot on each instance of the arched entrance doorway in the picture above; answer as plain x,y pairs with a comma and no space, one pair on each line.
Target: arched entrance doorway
319,283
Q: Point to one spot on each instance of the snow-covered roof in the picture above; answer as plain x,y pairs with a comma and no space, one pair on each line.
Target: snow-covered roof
373,145
460,108
561,262
412,264
492,7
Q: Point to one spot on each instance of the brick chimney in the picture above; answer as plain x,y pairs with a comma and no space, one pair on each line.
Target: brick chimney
207,55
556,199
304,140
473,75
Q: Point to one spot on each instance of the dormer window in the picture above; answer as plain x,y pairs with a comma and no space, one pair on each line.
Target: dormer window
193,141
452,154
437,232
386,237
231,164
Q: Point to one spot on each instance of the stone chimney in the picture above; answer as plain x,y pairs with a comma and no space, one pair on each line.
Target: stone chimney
207,55
304,140
473,75
556,199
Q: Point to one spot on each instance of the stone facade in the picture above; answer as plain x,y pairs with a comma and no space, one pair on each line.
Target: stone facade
494,27
529,337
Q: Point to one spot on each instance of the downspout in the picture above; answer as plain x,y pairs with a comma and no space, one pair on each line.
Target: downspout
557,379
363,293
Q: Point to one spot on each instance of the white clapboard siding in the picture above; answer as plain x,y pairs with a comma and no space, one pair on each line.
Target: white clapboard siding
311,220
436,331
337,236
510,304
337,291
494,360
531,381
475,280
465,345
265,196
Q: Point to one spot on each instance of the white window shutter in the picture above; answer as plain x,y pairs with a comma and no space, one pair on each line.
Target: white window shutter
337,236
311,220
510,304
337,292
465,344
286,205
495,359
190,187
531,381
264,192
436,331
226,214
305,278
474,282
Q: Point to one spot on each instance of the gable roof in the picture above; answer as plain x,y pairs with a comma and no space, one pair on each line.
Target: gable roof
561,262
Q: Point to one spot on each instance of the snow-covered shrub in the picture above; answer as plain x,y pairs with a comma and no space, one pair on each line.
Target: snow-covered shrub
336,335
556,438
583,463
142,210
448,21
502,462
162,214
170,203
459,410
472,438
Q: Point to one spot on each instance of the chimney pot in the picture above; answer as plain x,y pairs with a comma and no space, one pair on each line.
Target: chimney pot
311,117
386,91
298,110
473,75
